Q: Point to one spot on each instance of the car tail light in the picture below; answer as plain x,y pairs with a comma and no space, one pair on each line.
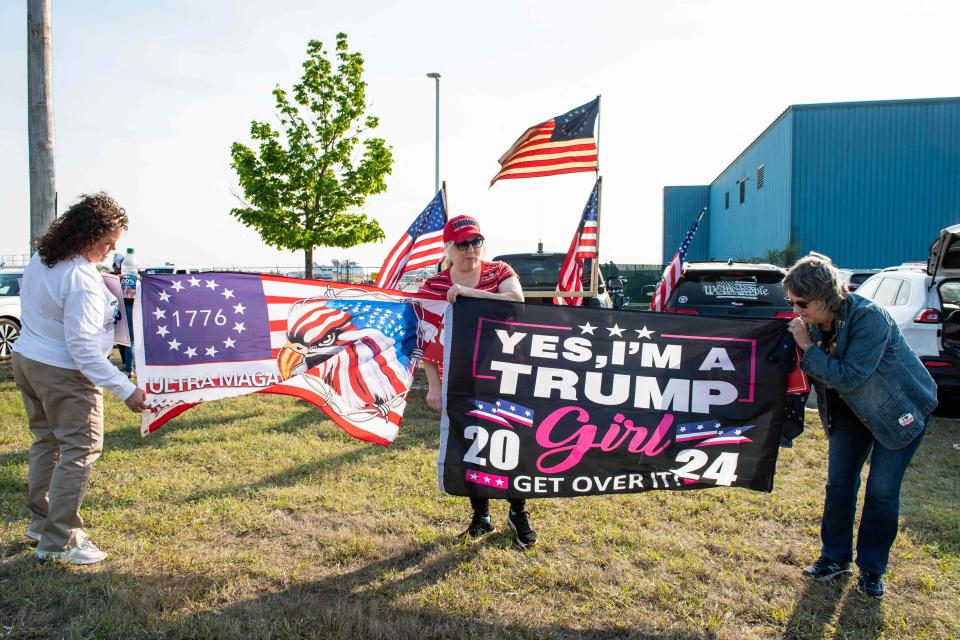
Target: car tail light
789,315
928,316
689,312
936,363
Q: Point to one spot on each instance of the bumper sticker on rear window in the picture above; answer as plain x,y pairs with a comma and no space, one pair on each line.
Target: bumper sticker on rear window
748,290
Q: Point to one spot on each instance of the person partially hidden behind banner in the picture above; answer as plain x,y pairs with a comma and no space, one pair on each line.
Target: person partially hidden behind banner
873,393
59,363
466,273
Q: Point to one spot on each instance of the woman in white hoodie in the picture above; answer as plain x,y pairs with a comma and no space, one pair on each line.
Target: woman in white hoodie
60,362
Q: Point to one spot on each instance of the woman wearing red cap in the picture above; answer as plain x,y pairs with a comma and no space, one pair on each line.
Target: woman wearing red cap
467,274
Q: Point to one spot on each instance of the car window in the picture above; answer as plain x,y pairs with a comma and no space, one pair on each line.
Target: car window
10,284
859,278
542,272
711,288
903,296
950,292
867,289
886,293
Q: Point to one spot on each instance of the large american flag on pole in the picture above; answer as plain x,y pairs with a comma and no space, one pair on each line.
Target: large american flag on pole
583,246
421,245
671,275
565,144
349,349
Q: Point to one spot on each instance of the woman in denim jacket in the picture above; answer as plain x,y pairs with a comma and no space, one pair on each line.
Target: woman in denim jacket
873,393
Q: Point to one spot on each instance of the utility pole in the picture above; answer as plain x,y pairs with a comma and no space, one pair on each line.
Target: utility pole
43,193
436,165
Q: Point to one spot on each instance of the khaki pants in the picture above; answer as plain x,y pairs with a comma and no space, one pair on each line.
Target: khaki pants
65,411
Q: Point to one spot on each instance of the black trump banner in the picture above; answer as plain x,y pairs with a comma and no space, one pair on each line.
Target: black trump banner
543,401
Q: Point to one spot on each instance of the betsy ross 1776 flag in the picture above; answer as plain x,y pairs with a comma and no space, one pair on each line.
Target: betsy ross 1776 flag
350,350
421,245
671,275
583,246
547,401
565,144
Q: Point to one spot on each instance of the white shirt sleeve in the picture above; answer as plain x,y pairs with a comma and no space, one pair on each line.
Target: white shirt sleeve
83,319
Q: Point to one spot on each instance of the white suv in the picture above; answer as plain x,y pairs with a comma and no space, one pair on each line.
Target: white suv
9,310
924,300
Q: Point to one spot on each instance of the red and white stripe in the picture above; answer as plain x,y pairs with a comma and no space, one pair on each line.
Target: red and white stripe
534,155
671,276
583,246
410,254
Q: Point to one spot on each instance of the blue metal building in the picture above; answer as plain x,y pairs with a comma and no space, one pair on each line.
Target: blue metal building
869,184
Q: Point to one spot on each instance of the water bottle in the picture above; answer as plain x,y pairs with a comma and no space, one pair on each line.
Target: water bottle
128,275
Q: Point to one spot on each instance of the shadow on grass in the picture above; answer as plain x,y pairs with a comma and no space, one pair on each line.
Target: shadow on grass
815,609
861,618
928,502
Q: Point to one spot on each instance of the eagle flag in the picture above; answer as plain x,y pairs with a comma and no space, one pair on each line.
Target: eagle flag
543,402
351,350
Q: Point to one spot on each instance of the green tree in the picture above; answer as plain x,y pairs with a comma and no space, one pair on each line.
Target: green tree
304,184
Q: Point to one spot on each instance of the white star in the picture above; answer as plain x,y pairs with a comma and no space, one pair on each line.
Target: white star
194,281
513,408
526,413
238,308
498,403
683,429
738,432
212,284
239,328
211,351
586,328
644,333
162,331
615,330
174,345
473,476
699,427
159,313
164,296
228,343
227,293
499,482
486,479
177,286
190,352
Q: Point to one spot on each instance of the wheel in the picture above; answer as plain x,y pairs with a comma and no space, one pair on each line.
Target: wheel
9,332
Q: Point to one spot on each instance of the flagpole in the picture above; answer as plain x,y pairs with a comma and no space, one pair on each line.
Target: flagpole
598,138
596,261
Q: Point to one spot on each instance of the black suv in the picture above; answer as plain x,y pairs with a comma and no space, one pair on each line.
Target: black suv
730,289
539,273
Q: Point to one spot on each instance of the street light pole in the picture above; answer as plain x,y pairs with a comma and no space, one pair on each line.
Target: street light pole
436,175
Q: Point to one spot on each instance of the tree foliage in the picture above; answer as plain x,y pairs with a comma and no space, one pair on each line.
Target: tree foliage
304,184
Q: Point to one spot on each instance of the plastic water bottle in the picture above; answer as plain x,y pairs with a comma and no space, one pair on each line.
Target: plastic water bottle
128,275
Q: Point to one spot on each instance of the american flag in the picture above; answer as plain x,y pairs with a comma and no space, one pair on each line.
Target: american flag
564,144
350,350
728,435
486,411
696,431
516,412
671,275
583,246
421,245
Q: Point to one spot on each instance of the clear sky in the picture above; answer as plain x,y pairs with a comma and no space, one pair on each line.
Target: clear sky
149,95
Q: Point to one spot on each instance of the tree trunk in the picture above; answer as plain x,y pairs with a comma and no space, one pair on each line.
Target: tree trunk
308,263
40,120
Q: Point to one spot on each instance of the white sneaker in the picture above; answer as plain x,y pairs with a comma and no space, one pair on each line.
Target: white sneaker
81,552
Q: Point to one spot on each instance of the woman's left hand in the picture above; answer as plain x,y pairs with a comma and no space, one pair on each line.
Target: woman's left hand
800,333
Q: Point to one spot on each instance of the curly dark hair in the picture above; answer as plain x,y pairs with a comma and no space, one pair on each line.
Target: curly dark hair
83,224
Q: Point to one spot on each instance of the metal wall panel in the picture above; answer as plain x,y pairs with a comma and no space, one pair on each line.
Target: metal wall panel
681,206
875,182
762,222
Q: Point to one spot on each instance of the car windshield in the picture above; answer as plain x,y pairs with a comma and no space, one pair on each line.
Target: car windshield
707,288
542,271
10,284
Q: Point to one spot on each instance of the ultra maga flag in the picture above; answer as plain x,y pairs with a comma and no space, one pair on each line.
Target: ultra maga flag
351,350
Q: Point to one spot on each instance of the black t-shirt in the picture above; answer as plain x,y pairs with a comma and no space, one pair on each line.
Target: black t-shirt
837,407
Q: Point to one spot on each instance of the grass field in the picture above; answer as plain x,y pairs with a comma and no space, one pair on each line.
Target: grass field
255,518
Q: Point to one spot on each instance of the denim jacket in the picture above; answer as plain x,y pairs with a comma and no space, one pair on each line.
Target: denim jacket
874,372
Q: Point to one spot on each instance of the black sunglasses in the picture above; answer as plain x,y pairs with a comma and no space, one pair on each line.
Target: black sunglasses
476,243
799,303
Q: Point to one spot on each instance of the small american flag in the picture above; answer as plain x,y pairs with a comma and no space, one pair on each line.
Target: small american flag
421,245
671,275
565,144
583,246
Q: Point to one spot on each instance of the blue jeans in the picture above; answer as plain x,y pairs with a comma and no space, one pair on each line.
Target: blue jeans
850,443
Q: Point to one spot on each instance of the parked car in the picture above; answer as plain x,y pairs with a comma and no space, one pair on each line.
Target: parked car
539,273
924,300
9,310
730,289
414,280
855,277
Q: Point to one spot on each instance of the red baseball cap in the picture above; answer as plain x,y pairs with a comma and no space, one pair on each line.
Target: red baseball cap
460,228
